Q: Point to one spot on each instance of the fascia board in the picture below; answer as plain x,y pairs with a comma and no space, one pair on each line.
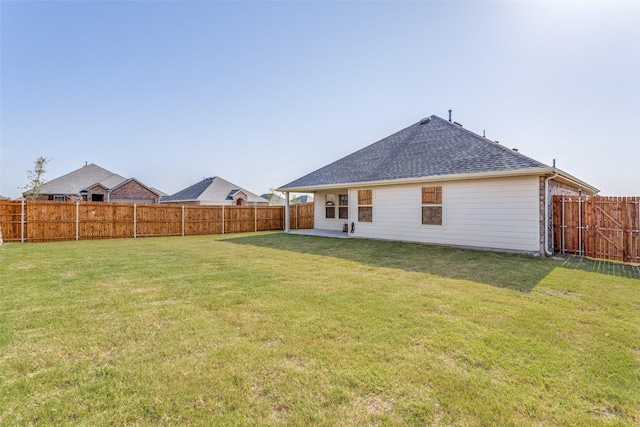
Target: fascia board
548,171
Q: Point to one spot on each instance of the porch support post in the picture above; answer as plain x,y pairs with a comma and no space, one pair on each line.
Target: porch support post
286,212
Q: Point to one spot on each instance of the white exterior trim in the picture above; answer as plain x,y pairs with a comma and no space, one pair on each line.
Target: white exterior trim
562,176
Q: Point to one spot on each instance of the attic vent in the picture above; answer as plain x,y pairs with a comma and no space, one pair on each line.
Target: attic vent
456,123
425,120
497,142
514,149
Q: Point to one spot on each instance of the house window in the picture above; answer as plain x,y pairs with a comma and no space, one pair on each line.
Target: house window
97,197
432,205
330,206
343,206
365,206
58,198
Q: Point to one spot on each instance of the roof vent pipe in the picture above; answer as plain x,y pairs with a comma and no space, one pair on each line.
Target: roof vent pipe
449,115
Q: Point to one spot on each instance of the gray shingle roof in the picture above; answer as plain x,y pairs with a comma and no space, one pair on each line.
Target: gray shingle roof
431,147
81,179
212,190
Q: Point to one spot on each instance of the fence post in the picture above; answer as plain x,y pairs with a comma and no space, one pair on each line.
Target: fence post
580,225
135,213
562,227
297,222
255,218
182,220
77,220
22,222
222,219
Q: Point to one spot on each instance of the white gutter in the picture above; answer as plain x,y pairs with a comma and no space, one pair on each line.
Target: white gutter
455,177
546,213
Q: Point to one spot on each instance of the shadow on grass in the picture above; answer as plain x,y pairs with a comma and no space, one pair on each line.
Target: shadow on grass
601,266
513,271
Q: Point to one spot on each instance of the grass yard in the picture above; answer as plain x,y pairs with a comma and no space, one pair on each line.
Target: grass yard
276,329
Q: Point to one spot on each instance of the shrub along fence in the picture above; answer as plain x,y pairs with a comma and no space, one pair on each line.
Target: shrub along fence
597,227
44,221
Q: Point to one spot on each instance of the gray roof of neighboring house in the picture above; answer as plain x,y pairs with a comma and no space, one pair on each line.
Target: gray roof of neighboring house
431,147
81,179
212,190
305,198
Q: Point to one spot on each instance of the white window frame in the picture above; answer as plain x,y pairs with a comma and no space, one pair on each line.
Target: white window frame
441,205
360,205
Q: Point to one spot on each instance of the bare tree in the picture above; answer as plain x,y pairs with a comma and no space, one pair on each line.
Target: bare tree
35,178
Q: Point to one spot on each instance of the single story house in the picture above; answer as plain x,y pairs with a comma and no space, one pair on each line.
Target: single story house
215,191
95,184
436,182
302,199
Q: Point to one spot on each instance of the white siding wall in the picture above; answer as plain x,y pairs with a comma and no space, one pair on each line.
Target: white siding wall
490,213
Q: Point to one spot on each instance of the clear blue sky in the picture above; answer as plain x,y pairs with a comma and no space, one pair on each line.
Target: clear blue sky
261,93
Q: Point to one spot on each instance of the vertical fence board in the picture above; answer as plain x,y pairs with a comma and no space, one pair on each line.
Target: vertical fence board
52,221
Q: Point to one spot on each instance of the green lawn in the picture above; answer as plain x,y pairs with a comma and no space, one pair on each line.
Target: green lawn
276,329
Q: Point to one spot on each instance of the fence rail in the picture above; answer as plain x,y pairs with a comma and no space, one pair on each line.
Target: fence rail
44,221
597,227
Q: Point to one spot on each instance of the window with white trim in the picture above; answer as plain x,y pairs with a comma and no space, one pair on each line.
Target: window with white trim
365,206
432,205
330,206
343,206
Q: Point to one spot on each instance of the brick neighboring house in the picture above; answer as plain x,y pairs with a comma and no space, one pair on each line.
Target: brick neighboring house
95,184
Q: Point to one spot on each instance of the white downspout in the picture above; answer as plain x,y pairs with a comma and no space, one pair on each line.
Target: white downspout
546,213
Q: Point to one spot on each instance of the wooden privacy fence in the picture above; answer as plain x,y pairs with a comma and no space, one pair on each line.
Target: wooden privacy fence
597,227
43,221
301,216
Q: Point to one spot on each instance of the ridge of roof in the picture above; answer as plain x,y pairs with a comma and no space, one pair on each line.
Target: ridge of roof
192,192
472,133
431,147
80,179
214,188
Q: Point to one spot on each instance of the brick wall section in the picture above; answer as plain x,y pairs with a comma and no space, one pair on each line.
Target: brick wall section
561,189
541,204
133,190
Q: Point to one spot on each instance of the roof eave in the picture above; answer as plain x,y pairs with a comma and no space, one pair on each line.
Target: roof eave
546,171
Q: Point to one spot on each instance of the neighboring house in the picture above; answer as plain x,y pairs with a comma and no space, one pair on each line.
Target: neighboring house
215,191
304,198
277,200
95,184
274,199
4,198
436,182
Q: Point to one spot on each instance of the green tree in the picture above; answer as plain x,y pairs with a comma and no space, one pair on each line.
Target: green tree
35,178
